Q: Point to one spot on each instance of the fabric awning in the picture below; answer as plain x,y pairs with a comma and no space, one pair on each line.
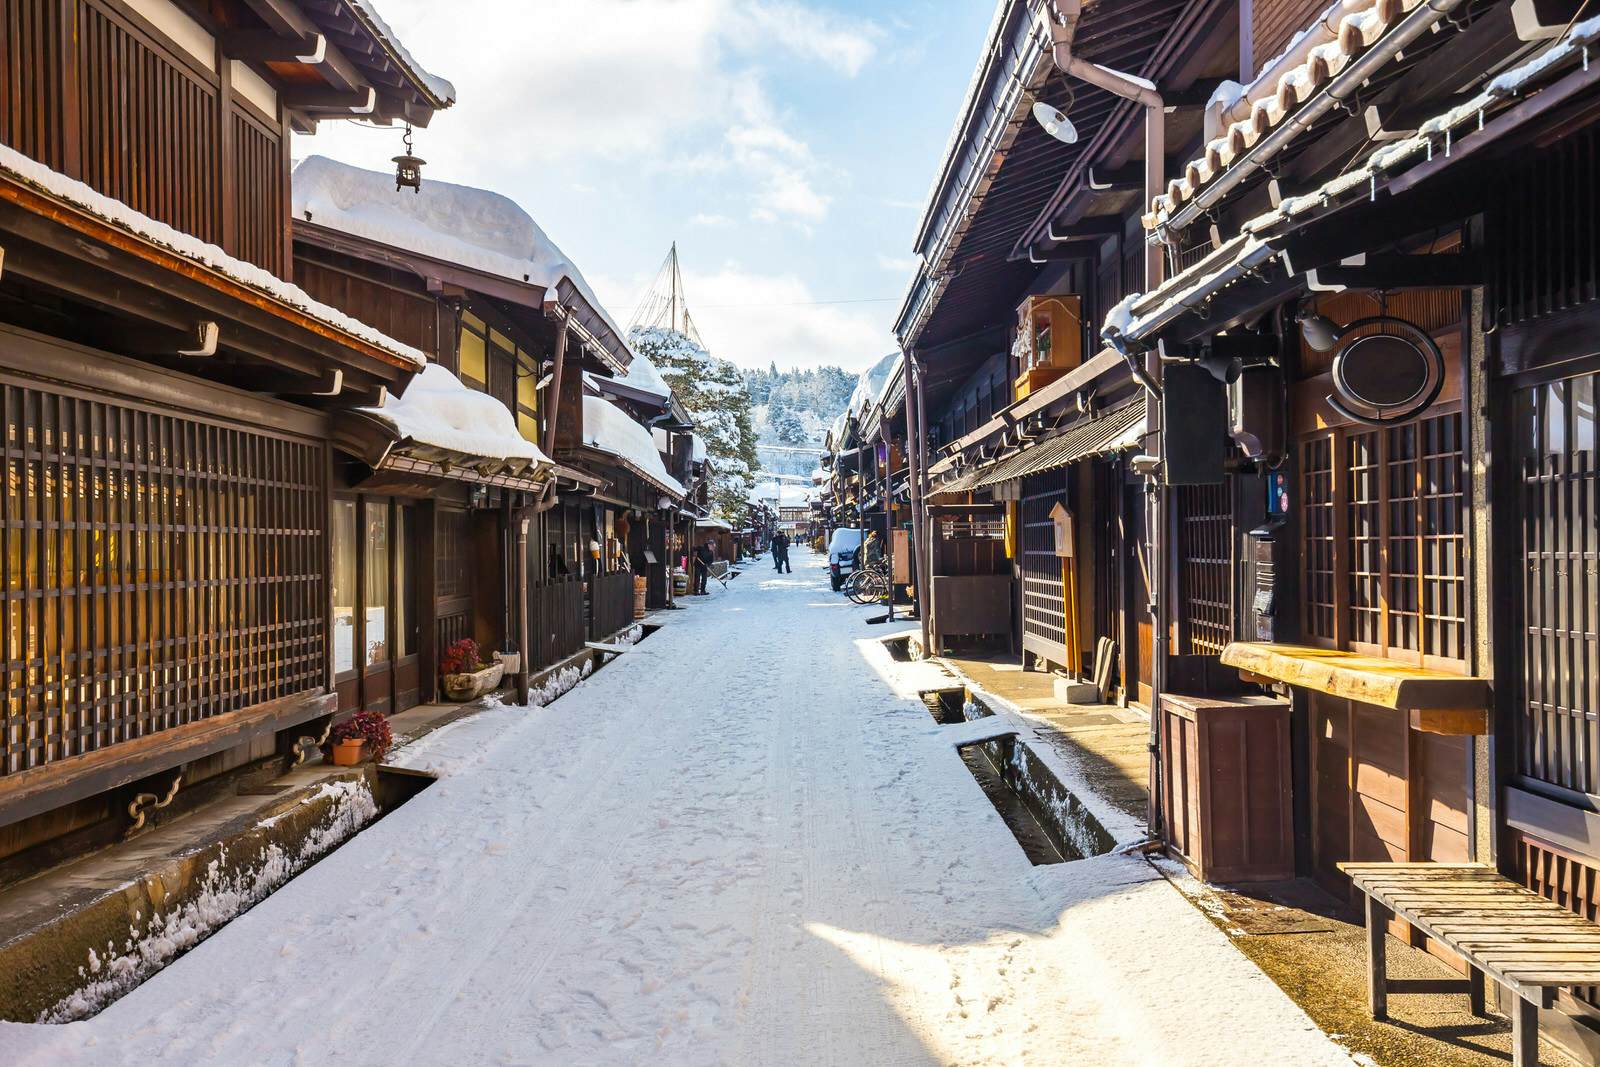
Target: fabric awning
1111,432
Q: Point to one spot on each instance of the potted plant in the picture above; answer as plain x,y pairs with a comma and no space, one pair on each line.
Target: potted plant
364,734
465,675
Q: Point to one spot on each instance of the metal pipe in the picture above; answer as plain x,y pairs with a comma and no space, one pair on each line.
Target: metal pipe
1347,84
925,549
1062,17
913,431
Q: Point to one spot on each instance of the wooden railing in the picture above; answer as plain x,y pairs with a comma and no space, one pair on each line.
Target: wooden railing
555,620
610,604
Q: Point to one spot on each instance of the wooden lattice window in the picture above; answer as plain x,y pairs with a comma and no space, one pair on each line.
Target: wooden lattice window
1318,517
158,570
1384,561
1205,569
1556,427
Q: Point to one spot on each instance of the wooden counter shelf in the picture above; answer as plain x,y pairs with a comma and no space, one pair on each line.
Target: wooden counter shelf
1435,701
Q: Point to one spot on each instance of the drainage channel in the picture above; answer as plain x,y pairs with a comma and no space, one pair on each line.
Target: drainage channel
1049,822
89,934
84,936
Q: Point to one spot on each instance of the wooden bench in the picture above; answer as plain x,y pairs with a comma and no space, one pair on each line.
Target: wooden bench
1528,944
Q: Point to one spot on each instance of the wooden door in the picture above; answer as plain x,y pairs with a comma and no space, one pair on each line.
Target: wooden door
455,577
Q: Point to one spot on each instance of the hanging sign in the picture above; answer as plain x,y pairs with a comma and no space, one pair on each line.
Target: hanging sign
1061,519
1388,376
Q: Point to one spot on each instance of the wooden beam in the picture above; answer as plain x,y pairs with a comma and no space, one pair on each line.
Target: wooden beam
1454,270
198,339
266,46
360,102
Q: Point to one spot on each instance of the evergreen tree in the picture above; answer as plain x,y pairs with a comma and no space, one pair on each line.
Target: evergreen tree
785,425
717,397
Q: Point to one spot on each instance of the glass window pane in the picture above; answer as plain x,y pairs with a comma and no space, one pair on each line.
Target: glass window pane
377,583
343,532
472,358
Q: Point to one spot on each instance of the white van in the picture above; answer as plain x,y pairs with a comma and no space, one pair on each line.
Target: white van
843,548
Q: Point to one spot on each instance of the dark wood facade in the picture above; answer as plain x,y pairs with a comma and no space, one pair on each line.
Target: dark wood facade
167,602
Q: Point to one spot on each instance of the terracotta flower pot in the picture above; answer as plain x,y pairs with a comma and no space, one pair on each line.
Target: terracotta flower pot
348,753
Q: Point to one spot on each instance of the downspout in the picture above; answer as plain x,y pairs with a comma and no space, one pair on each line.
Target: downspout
1063,16
887,484
548,499
1063,27
925,548
914,471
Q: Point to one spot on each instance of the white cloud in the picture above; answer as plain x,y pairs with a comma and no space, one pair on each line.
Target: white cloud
754,318
711,219
661,85
898,264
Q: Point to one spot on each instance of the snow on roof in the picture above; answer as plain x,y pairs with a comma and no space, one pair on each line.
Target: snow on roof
869,387
697,448
473,228
441,89
642,375
608,428
1312,58
438,410
1138,313
713,523
18,166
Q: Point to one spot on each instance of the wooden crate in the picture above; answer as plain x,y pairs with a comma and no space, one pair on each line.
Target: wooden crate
1227,799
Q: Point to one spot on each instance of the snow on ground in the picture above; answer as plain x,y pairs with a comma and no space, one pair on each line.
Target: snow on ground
777,860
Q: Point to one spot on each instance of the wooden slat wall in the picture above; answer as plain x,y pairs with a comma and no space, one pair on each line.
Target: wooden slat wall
412,317
1206,567
118,110
1043,607
1564,879
158,570
1275,22
1544,238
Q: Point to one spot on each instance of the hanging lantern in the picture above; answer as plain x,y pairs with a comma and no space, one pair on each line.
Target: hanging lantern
408,168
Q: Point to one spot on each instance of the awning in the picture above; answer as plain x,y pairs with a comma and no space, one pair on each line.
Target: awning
1111,432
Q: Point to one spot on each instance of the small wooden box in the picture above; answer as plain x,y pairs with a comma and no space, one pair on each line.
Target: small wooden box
1049,340
1227,807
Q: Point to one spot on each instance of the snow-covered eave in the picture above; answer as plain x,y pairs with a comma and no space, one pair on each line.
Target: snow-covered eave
668,485
48,193
439,92
1310,68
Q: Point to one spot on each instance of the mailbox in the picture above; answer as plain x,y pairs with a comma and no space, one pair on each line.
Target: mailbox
1061,520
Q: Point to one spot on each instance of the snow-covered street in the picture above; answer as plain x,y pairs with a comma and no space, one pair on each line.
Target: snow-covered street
739,844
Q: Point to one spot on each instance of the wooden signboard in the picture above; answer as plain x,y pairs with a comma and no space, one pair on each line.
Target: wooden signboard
1062,520
900,554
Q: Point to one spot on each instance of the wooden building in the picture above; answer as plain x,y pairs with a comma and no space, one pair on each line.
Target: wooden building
518,552
1333,469
169,396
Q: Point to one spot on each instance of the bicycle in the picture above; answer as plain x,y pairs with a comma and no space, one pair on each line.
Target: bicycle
869,584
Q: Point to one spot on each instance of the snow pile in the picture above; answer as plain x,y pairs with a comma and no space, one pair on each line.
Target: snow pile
697,448
438,410
870,386
16,165
608,428
457,224
222,896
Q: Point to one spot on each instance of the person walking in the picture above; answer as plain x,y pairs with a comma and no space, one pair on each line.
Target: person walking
704,556
780,553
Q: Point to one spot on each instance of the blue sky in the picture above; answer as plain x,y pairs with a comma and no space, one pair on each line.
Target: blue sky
786,146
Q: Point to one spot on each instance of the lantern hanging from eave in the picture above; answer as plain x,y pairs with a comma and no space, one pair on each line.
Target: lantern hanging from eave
408,168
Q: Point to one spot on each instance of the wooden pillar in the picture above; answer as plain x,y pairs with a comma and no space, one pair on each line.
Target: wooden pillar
553,409
522,520
1378,918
